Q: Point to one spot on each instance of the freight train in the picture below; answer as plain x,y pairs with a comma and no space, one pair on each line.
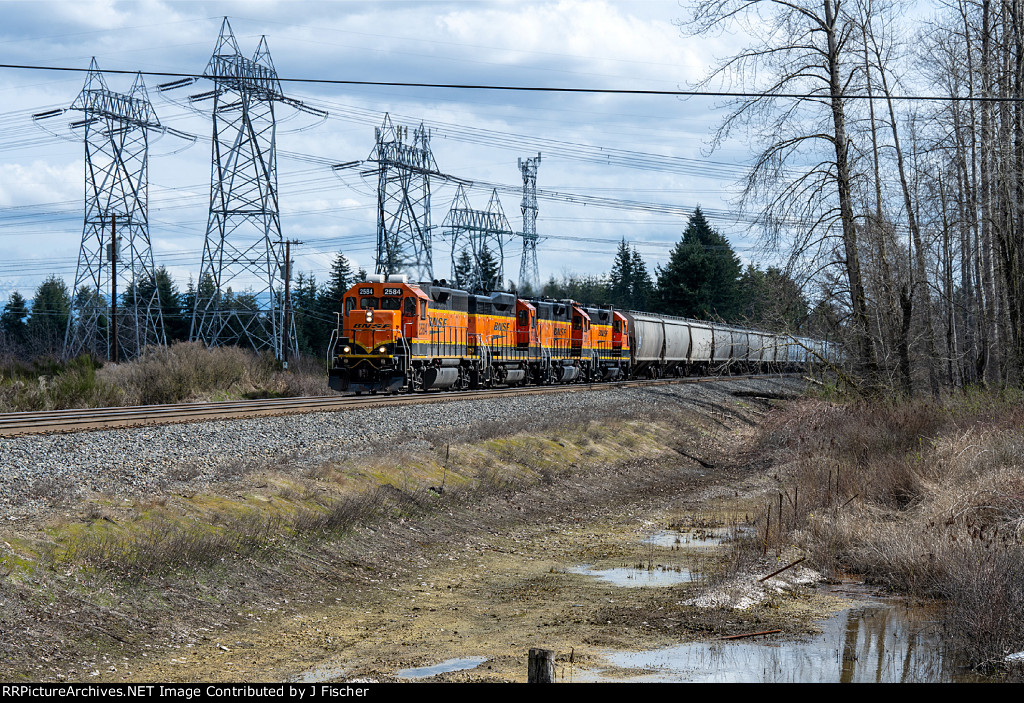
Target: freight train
393,335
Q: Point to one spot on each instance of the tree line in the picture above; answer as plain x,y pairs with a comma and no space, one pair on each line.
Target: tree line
703,279
38,330
889,164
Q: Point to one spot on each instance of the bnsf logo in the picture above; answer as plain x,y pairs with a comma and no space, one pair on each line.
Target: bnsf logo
370,326
501,326
438,322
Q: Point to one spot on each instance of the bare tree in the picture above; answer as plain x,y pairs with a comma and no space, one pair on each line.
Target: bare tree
802,63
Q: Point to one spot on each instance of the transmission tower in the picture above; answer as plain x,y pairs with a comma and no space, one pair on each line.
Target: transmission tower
116,304
244,244
529,273
478,233
403,200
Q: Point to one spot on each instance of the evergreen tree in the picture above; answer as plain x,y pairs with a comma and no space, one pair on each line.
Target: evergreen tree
161,288
13,323
89,302
772,300
51,309
339,281
490,273
176,317
188,306
702,276
589,290
313,323
754,293
621,284
551,289
462,272
642,287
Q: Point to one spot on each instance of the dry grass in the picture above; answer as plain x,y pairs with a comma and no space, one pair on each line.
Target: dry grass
924,497
186,371
48,384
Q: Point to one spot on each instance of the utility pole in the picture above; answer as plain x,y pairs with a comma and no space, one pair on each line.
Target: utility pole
114,246
288,339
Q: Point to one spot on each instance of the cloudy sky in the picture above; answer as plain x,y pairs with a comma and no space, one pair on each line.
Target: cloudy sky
637,152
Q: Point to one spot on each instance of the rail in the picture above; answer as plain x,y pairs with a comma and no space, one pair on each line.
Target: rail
77,420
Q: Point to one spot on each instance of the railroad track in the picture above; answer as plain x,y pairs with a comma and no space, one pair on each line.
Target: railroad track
83,420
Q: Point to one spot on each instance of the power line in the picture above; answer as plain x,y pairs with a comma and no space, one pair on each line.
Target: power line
548,89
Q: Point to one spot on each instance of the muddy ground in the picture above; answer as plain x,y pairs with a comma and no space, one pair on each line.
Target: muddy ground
481,570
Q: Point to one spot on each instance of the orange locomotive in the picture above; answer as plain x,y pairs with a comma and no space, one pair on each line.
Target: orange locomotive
394,335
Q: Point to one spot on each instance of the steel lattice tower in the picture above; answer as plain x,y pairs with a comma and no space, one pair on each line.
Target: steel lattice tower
116,211
474,231
529,273
244,243
403,200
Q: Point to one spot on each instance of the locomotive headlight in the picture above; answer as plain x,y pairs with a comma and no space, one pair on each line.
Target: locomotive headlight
382,349
369,315
347,350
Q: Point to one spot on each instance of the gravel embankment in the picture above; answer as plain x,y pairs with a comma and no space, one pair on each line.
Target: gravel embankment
54,468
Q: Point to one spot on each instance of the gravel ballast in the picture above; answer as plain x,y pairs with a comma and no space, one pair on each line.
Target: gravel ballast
135,461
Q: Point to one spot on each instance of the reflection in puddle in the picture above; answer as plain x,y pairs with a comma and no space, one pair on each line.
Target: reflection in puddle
444,667
694,538
632,577
881,642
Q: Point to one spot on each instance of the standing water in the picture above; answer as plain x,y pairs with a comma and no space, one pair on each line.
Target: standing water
879,641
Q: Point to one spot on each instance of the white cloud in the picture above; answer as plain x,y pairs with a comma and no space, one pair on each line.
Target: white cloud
39,182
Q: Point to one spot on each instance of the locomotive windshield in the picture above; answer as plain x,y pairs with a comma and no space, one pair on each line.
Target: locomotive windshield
390,303
350,305
369,303
410,307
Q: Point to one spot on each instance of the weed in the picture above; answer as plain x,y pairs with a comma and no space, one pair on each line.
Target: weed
903,494
159,545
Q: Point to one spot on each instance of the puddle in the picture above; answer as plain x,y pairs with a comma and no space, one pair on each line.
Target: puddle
444,667
880,641
693,538
633,577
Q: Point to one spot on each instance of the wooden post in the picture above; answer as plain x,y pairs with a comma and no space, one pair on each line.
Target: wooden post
542,666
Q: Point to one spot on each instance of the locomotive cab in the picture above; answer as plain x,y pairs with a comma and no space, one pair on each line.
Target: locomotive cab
380,321
526,326
581,337
620,334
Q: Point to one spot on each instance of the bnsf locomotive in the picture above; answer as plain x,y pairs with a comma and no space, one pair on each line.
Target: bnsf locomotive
393,335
